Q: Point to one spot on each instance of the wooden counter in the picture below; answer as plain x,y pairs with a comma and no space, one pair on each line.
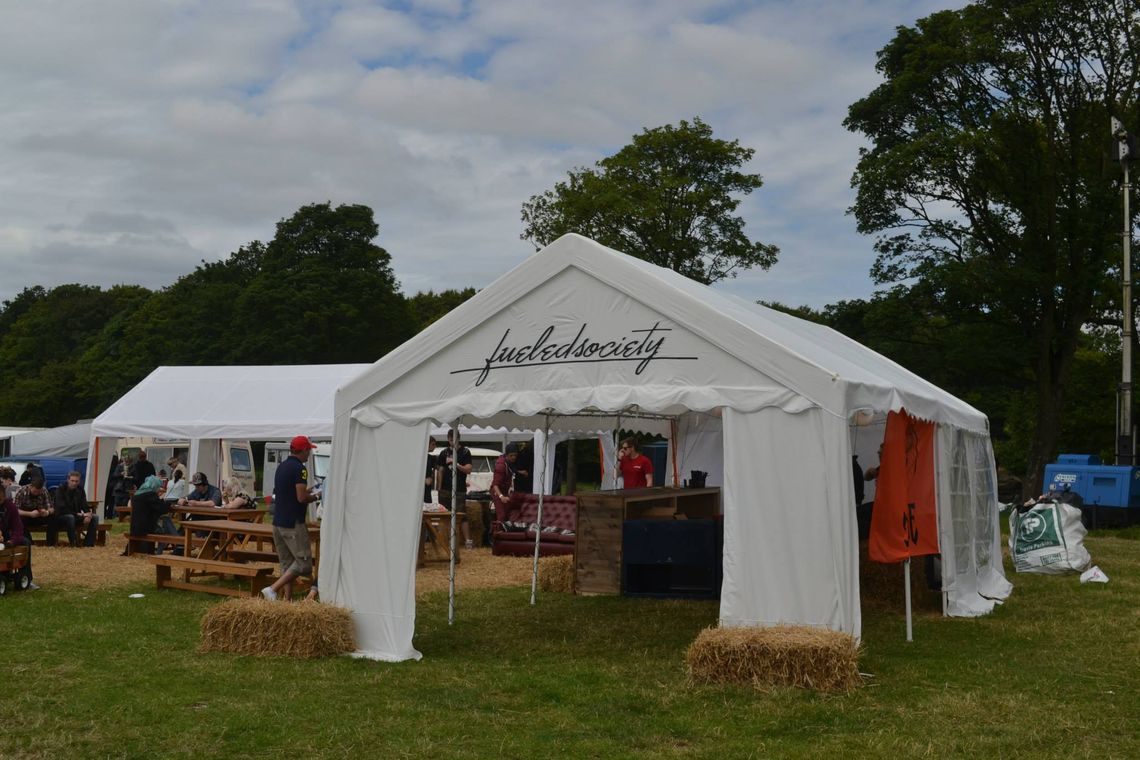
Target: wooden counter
601,514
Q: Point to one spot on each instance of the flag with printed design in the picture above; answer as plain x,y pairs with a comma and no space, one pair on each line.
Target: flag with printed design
904,522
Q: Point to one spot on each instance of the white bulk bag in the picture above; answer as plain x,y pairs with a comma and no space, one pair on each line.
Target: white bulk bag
1049,538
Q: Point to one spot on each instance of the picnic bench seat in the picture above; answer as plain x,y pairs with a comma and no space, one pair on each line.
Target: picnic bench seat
134,542
257,575
80,530
253,555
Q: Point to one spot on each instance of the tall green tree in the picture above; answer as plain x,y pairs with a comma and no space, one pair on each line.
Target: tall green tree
668,197
323,292
987,178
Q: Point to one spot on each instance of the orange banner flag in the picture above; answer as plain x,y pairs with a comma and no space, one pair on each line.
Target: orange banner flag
904,522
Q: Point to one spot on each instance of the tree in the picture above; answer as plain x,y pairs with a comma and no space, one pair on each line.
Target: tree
987,178
324,292
425,308
667,198
41,350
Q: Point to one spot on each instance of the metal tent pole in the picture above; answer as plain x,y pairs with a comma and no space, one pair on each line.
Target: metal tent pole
538,527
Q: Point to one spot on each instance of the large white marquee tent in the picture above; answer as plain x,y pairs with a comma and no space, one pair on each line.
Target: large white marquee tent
582,337
205,405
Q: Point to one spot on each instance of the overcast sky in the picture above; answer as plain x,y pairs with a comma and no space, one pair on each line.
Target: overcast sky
139,137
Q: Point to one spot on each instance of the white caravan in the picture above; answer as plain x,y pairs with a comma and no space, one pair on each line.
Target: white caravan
234,460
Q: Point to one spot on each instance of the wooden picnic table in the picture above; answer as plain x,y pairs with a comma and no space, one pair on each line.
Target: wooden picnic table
224,548
222,537
252,514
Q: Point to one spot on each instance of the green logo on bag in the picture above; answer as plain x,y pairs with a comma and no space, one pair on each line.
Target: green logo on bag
1037,530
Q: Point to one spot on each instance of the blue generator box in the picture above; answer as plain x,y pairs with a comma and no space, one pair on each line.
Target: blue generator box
1111,493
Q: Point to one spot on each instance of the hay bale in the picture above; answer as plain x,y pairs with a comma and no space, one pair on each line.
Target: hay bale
556,574
262,628
766,658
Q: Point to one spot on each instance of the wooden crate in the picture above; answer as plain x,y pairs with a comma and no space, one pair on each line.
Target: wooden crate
597,547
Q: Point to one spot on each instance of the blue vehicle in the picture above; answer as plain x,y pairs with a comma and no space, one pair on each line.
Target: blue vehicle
55,468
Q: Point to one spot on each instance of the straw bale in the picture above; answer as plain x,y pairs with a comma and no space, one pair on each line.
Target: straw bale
262,628
781,656
556,574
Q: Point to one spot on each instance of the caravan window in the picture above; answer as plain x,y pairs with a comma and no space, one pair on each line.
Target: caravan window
240,461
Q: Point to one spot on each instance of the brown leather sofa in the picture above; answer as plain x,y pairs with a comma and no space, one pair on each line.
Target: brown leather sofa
514,535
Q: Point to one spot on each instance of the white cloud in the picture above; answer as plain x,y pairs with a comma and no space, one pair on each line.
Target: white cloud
138,138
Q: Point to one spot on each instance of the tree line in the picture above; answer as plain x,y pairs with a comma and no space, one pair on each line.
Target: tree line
320,292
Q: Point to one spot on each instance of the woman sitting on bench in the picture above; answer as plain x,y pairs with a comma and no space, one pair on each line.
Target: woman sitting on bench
233,497
147,507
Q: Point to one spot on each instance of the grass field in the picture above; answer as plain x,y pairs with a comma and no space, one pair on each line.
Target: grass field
1055,672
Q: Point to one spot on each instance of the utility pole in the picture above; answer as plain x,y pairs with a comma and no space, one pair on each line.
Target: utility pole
1125,150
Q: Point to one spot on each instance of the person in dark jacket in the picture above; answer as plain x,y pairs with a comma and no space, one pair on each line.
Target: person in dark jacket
31,472
142,469
146,507
71,510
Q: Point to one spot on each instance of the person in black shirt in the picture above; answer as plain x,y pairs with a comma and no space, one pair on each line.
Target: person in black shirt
142,469
463,467
429,477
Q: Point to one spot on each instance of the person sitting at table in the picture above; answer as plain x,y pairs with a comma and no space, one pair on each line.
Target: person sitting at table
146,507
233,497
37,510
8,485
203,494
72,510
12,529
178,488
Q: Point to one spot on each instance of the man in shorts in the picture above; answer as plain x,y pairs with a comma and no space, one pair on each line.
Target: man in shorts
291,496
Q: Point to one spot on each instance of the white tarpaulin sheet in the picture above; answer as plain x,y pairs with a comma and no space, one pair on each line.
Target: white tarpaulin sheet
579,332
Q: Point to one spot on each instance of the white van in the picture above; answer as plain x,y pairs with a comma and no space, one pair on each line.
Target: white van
482,466
277,452
236,458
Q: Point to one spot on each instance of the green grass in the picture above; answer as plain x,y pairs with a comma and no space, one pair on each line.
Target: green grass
1052,673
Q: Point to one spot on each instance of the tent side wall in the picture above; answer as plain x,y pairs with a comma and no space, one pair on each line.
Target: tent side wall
972,572
369,534
790,547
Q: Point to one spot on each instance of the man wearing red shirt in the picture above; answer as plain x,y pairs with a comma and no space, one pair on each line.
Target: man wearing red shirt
636,469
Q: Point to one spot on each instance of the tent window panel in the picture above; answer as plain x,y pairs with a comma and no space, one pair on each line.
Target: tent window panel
985,501
961,507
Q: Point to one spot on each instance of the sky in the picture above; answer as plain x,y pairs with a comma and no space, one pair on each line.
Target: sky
141,137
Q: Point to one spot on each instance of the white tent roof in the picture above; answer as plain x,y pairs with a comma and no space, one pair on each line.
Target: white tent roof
257,403
65,441
766,357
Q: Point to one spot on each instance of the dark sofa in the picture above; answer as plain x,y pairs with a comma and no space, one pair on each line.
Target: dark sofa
514,535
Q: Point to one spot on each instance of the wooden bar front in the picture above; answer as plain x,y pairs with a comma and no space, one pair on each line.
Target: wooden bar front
597,549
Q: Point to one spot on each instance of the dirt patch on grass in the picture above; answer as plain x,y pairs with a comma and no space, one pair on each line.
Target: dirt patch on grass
103,566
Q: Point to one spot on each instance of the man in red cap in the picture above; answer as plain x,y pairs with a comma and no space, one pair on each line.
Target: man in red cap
291,496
